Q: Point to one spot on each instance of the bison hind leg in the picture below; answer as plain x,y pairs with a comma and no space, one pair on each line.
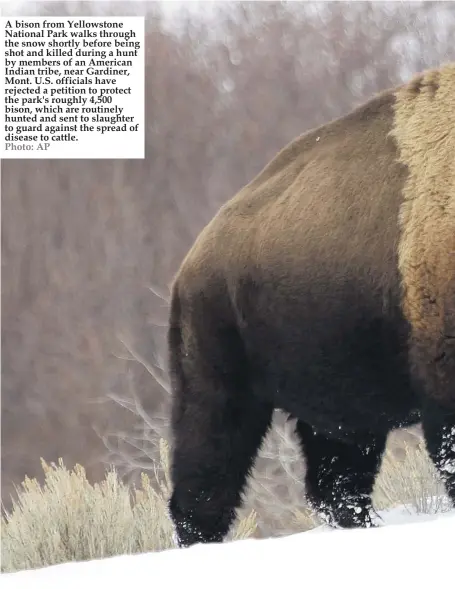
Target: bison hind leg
217,426
210,469
340,475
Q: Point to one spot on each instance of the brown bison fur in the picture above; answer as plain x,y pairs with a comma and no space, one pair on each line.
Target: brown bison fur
324,288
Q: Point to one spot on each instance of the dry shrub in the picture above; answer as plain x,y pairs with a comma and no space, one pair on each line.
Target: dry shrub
69,519
411,481
276,491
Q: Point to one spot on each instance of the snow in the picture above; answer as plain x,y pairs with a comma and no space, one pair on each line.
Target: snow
407,550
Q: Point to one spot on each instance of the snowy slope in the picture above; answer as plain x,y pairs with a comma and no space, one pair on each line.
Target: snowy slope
408,551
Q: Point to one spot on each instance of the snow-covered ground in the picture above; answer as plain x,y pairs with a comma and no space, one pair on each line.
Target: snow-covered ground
407,551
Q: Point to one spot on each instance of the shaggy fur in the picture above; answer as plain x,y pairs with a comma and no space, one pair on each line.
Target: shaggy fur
425,133
324,288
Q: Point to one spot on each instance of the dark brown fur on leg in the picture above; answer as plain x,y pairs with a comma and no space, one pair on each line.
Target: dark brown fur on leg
340,475
218,427
210,469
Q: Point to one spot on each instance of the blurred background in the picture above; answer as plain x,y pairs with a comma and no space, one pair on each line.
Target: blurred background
89,247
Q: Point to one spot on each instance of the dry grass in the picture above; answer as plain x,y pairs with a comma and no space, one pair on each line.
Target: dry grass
68,519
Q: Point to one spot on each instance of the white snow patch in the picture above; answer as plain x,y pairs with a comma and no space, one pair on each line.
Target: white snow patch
417,554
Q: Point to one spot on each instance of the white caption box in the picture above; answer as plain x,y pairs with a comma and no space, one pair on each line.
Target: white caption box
72,87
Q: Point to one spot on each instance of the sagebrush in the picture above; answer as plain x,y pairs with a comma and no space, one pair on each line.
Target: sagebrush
69,519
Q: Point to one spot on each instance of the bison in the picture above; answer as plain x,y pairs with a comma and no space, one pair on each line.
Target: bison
324,288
